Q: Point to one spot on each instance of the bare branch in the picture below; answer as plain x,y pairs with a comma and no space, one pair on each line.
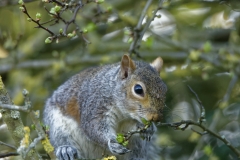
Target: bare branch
230,87
33,144
202,109
8,145
137,29
13,120
138,33
176,125
79,5
3,155
34,115
14,107
36,21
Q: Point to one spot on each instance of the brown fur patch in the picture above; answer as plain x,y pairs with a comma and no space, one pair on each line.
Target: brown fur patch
73,109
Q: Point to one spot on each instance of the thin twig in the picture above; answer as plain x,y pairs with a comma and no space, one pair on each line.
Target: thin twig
79,5
137,29
59,3
34,115
202,109
33,144
47,21
3,155
36,21
230,87
14,107
138,34
148,23
129,134
8,145
57,16
176,125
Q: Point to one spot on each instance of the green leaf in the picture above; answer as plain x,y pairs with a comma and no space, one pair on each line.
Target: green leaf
48,40
120,138
125,143
60,30
149,42
99,1
145,122
194,55
21,2
207,47
70,35
33,127
130,40
29,19
90,27
38,16
22,9
207,150
57,8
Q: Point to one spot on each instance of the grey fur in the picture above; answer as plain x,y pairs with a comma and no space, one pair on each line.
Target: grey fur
105,110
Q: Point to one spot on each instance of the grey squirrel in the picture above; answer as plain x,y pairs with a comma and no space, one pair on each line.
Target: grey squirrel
85,114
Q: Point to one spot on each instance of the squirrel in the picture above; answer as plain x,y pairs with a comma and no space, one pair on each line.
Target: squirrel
85,114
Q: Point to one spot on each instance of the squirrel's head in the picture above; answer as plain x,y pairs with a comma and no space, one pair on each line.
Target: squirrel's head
145,90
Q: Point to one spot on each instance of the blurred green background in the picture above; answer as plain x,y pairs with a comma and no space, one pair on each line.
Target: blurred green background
198,40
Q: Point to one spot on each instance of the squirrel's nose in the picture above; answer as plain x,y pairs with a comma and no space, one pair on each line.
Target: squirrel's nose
156,117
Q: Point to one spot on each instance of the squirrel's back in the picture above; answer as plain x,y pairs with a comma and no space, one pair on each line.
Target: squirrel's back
87,111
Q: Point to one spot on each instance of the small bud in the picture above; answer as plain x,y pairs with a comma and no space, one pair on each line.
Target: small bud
109,9
57,8
38,16
60,30
127,32
125,143
29,19
120,138
74,33
85,30
99,1
45,1
70,35
130,40
33,127
48,40
21,2
57,40
52,11
22,9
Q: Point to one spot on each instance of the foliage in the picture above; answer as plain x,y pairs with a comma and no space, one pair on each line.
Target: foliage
198,41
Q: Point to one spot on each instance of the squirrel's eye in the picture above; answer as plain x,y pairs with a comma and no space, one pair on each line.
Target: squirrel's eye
138,89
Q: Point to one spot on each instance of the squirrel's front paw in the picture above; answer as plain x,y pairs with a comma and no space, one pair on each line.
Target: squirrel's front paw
66,152
117,148
147,133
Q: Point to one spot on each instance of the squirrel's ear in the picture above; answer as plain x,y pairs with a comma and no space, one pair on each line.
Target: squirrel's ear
157,64
127,66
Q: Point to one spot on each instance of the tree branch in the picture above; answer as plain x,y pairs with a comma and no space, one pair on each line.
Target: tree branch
186,123
8,145
3,155
13,120
14,107
138,33
176,125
